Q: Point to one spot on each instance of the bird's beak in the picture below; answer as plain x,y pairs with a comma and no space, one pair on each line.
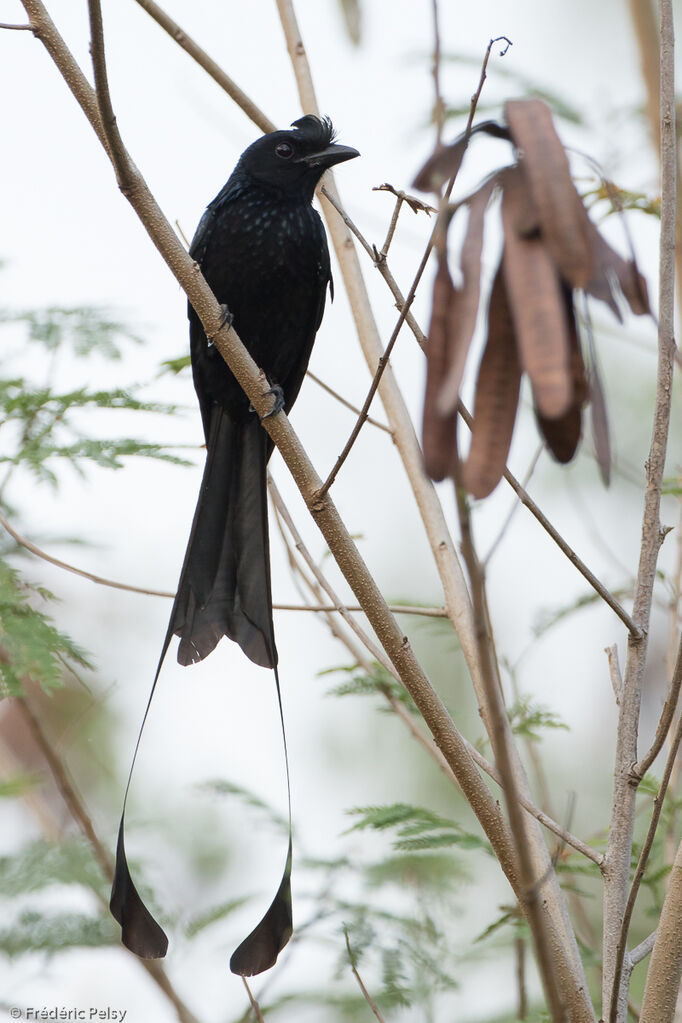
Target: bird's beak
329,156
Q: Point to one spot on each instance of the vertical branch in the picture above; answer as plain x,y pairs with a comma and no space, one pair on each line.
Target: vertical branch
665,969
618,852
567,964
505,755
438,104
449,568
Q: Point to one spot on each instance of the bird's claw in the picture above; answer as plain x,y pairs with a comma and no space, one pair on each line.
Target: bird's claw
227,317
278,394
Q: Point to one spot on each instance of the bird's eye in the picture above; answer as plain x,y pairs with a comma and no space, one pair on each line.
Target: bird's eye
284,150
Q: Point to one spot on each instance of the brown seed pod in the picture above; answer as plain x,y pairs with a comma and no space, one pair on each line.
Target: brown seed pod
463,308
564,223
438,431
537,306
496,398
563,434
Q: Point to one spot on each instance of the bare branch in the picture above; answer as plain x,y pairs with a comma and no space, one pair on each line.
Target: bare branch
641,866
665,720
497,723
438,104
254,1004
641,951
619,846
339,541
398,609
347,404
210,67
39,553
520,490
365,993
665,969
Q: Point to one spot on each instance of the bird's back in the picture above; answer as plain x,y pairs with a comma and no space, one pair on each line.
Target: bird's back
265,257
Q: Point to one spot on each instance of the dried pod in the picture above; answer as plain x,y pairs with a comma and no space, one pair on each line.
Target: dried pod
446,161
563,434
496,398
463,308
438,431
564,223
609,267
537,306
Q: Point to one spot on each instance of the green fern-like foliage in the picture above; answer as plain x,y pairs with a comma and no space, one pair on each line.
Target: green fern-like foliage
31,646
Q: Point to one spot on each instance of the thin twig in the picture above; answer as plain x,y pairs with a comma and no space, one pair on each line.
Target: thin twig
380,264
449,740
438,232
565,836
398,609
587,573
195,51
16,28
365,993
641,951
641,867
346,403
514,508
431,511
362,418
376,652
399,708
101,580
392,226
520,491
407,609
665,720
438,104
254,1004
497,722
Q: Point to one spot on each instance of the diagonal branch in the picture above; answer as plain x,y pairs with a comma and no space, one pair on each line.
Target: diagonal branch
324,513
502,742
101,580
518,489
208,64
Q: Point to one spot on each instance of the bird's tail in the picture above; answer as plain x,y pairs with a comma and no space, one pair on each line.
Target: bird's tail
224,590
224,587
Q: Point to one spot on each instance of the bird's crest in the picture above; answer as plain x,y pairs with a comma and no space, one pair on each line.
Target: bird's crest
318,131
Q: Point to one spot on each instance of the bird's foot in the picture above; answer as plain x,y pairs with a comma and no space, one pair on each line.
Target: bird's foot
227,319
278,394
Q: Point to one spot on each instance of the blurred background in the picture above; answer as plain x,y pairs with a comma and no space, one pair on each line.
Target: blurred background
89,307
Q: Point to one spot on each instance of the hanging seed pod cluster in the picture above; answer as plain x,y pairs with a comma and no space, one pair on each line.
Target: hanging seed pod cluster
551,250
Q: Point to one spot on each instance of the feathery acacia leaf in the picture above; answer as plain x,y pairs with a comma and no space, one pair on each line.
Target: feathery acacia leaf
31,646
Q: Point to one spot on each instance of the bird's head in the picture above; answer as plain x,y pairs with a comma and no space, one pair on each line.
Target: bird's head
294,161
